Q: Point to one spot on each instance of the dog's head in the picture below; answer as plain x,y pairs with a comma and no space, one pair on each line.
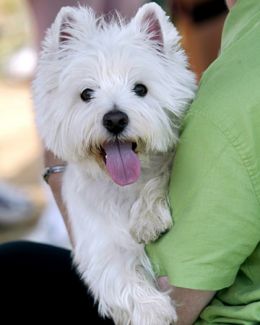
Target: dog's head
110,92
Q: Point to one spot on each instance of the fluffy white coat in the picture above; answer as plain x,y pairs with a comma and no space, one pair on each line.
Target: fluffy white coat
110,223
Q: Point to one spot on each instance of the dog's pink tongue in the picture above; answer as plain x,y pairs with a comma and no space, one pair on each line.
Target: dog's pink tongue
122,164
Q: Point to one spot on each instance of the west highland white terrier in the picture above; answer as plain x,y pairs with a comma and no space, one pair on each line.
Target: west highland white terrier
109,98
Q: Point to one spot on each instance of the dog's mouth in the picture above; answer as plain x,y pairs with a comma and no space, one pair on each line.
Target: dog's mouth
121,161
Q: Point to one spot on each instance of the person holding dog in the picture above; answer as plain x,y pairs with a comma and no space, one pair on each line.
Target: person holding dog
212,253
211,257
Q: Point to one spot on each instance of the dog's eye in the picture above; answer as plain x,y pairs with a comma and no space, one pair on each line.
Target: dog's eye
140,90
87,94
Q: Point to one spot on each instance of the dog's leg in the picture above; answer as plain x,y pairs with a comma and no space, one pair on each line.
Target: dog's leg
150,306
120,284
150,215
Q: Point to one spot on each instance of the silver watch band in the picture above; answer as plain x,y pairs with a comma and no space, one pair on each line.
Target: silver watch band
52,170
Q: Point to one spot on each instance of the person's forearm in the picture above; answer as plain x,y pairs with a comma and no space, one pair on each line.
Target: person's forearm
189,302
54,182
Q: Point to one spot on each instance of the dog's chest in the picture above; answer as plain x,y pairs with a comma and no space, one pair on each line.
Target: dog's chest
98,207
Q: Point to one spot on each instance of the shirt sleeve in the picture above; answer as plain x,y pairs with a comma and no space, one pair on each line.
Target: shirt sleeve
214,208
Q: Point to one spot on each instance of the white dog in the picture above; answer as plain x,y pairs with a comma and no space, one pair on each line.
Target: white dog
109,99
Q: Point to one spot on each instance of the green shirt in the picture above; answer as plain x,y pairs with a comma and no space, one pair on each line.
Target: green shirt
215,185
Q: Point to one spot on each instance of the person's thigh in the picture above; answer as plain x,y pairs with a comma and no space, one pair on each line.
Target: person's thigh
38,282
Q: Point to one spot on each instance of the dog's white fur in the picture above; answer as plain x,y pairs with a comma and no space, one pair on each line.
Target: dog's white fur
110,223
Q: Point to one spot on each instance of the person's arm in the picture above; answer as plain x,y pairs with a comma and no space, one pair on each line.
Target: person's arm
189,303
54,182
216,219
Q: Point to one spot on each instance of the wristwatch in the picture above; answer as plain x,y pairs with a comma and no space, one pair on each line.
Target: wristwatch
52,170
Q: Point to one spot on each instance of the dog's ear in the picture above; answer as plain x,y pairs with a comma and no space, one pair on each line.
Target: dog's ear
74,23
149,18
65,20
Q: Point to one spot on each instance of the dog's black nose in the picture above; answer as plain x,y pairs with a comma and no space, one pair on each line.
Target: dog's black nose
115,121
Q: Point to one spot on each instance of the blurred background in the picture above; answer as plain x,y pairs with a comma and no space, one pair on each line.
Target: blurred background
27,210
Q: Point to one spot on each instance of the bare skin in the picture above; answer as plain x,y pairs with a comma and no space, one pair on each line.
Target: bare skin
230,3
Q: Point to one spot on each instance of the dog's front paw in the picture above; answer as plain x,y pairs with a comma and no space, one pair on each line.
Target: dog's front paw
155,314
149,227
